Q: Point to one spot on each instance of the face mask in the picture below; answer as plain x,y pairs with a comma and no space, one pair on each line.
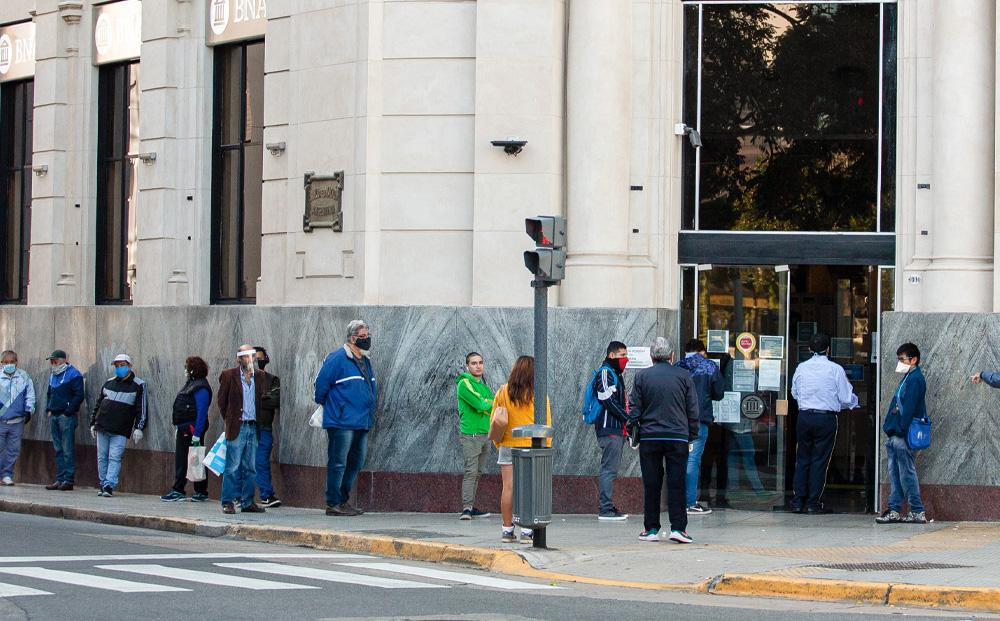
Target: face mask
261,364
364,344
902,367
9,369
622,362
121,372
59,368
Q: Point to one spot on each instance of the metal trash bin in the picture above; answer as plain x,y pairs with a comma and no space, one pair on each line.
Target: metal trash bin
533,478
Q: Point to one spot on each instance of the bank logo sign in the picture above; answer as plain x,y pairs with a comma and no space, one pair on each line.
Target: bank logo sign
17,51
235,20
117,31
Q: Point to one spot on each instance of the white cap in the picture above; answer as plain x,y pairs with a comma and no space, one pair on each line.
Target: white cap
122,358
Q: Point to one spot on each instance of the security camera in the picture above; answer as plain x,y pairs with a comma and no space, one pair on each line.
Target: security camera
511,146
682,129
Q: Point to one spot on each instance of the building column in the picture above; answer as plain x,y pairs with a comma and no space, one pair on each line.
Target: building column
959,277
598,145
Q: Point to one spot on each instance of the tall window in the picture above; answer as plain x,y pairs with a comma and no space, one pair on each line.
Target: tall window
117,190
795,104
16,107
237,173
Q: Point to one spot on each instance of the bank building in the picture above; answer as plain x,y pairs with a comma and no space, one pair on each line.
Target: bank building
178,177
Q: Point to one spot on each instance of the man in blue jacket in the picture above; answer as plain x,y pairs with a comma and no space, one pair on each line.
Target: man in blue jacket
711,387
609,386
906,404
62,405
345,387
17,402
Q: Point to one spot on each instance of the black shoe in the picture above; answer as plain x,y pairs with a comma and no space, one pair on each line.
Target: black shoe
341,510
53,486
821,510
253,508
199,497
106,491
228,508
67,487
722,503
476,513
270,501
796,509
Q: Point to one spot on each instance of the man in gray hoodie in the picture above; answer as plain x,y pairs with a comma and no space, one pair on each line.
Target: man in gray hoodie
664,403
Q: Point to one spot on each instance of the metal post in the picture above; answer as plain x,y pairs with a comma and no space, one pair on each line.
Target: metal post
541,375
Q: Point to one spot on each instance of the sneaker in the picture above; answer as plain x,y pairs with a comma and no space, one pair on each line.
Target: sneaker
253,508
527,536
106,491
476,513
612,516
7,481
889,517
507,536
53,486
65,487
915,518
680,536
697,509
229,508
466,514
651,534
173,496
199,497
342,510
270,501
352,509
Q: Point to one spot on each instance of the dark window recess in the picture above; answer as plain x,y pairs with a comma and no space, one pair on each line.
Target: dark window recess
16,109
237,171
117,189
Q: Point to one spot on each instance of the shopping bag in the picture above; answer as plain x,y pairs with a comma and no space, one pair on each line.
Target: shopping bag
918,436
196,469
316,420
216,458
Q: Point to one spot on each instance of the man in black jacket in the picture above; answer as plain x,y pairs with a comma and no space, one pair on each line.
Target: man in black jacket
609,386
120,413
270,402
664,401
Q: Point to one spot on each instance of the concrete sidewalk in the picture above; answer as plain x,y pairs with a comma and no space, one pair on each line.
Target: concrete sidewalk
947,564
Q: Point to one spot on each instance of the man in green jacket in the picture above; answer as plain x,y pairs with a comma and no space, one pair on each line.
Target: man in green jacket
475,402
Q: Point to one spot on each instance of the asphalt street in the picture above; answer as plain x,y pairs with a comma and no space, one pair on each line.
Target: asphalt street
59,569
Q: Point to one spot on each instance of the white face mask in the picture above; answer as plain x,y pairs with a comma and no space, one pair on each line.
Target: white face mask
902,367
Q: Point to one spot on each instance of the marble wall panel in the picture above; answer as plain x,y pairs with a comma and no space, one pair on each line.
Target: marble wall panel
33,335
75,332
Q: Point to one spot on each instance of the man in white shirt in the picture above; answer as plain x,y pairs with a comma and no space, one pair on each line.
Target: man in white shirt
821,388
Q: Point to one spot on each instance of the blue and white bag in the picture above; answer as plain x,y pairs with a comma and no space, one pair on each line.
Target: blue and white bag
216,458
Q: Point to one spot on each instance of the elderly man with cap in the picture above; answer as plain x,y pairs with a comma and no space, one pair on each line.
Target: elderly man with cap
821,388
17,402
62,404
240,392
120,413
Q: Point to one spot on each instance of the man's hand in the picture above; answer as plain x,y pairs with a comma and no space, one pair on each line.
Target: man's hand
137,435
93,432
977,378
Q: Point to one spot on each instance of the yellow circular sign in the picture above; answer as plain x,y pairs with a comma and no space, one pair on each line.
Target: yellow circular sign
746,343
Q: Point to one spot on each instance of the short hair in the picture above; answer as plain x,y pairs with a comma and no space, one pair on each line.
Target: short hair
909,350
469,356
197,367
614,346
261,350
8,352
819,343
661,349
354,327
694,346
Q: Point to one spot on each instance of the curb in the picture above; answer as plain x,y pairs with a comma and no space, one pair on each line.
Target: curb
512,563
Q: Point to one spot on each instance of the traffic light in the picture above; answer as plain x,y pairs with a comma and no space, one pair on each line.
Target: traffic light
548,260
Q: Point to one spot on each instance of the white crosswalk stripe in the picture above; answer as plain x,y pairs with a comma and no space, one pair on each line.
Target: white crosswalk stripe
330,576
12,590
88,580
452,576
205,577
168,557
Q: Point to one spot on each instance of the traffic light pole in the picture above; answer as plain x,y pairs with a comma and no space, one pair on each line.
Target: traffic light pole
541,375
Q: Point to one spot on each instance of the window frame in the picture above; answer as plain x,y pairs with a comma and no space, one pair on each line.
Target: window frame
16,159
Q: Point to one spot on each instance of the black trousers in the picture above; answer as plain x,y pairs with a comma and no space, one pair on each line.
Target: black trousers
183,443
716,455
816,434
654,457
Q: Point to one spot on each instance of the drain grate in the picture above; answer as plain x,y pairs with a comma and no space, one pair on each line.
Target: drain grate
891,566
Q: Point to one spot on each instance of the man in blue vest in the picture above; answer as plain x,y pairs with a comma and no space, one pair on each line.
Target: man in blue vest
17,402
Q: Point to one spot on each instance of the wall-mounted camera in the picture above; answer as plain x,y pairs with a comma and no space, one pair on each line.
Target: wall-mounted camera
511,146
682,129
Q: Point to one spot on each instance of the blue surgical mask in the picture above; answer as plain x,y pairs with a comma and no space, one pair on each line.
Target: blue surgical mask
121,372
9,369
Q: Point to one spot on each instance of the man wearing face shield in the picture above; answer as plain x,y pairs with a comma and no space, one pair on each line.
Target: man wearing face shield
240,392
822,390
120,413
345,387
270,403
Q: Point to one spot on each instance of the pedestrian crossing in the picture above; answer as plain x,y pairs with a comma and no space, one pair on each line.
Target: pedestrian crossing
32,578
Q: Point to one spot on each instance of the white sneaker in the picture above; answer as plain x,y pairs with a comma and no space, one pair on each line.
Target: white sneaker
680,537
7,481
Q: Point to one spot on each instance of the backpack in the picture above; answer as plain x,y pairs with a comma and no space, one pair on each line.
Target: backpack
592,407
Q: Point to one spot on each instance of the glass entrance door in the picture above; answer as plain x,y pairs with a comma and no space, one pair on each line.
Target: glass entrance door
741,314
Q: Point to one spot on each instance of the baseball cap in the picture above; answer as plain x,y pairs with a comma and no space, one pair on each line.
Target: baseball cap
57,353
122,358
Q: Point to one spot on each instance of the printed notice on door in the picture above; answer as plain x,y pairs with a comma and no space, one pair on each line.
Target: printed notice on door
727,410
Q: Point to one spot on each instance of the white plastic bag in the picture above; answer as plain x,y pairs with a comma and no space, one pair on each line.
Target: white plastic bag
316,420
196,469
216,458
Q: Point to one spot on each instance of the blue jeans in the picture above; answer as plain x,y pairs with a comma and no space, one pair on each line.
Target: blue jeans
10,447
237,484
63,431
902,476
265,442
345,454
742,449
110,448
694,464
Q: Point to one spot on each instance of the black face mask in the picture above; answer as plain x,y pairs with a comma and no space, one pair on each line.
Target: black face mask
262,363
364,344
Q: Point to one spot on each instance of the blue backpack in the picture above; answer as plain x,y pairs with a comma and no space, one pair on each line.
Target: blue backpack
592,408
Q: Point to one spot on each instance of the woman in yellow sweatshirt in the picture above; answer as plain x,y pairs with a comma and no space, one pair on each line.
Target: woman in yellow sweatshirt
518,397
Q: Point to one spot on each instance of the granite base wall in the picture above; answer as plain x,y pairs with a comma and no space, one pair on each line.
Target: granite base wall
413,461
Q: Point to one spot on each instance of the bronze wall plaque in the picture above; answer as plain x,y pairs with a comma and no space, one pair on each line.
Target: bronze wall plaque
323,202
